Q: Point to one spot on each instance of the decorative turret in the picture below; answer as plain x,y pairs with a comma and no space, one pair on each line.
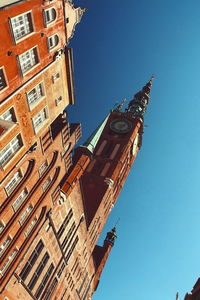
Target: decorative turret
111,237
137,106
100,255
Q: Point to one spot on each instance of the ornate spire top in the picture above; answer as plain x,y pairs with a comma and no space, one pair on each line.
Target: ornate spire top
137,106
111,236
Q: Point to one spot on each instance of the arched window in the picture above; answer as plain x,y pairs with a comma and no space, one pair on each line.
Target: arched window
49,15
52,41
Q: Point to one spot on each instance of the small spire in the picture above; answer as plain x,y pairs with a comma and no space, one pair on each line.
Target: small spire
111,236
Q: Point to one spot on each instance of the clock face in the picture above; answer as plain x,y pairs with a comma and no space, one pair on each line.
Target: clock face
120,126
135,144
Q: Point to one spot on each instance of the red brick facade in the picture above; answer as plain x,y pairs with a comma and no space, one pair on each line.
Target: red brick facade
53,206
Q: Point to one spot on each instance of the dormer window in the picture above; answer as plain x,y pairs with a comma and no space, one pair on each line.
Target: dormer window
49,15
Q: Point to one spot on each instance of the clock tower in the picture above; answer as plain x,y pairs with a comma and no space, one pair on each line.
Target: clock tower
112,149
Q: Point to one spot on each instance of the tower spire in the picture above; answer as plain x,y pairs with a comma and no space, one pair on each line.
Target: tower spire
138,106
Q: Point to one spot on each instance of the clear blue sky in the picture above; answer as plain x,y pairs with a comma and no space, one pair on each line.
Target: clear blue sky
117,47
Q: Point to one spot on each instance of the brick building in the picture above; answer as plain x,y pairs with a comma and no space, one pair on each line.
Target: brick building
53,206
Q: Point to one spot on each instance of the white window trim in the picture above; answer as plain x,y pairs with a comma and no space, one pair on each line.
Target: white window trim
38,128
6,79
10,190
45,188
55,46
11,107
28,34
43,168
44,16
25,214
34,66
12,157
16,203
32,106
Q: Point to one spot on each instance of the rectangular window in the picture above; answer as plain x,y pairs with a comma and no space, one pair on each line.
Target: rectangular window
69,234
20,199
51,289
8,262
31,261
12,184
25,214
43,168
1,226
10,150
38,271
21,25
58,100
40,119
72,248
9,115
55,77
3,82
5,245
44,281
35,95
46,184
28,59
65,223
61,270
30,227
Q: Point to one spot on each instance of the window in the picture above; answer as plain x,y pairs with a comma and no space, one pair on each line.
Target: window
35,95
55,77
51,289
69,234
52,41
46,184
9,115
10,150
3,82
58,100
12,184
44,281
21,25
28,59
5,245
43,168
31,261
1,226
20,199
49,15
30,227
72,248
39,119
65,223
61,270
8,262
38,271
25,214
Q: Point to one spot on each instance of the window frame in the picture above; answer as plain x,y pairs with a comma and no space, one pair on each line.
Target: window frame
54,45
20,199
14,120
23,73
36,102
47,24
27,34
14,151
9,191
41,125
5,79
